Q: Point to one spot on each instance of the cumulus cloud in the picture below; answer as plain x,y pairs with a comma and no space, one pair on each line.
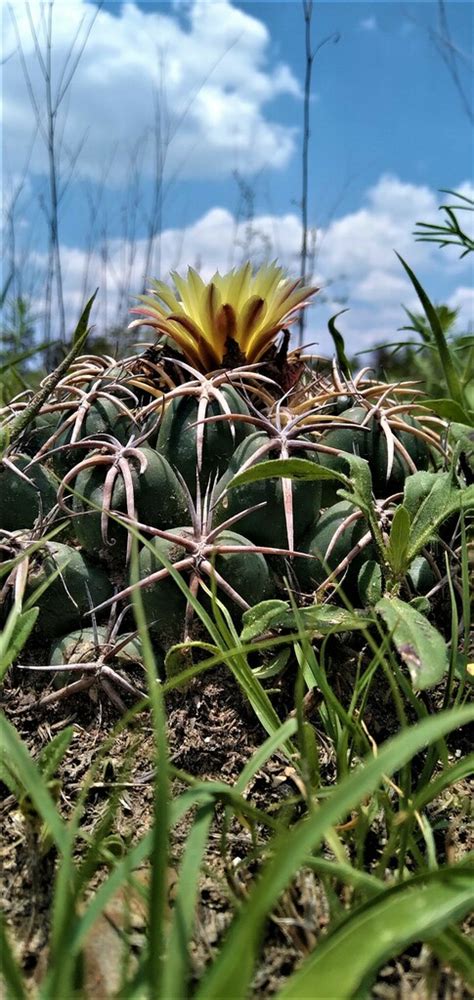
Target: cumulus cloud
463,299
355,260
207,65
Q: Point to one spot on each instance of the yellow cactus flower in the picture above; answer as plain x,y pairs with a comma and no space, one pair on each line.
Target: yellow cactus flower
201,319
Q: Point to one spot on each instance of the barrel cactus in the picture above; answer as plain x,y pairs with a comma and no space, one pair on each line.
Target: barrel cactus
154,441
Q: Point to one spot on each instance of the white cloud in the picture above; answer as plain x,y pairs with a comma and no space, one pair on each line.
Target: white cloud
358,246
381,287
463,298
208,62
363,241
368,24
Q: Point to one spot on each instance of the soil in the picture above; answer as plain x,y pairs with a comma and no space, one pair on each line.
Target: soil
212,733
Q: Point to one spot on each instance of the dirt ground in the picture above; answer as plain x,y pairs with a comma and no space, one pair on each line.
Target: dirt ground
212,732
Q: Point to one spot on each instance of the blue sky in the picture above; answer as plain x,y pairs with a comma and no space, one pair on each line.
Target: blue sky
388,129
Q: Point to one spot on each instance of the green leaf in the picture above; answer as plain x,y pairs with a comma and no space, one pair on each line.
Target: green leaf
17,630
11,973
447,362
325,618
339,344
398,541
419,644
322,618
180,655
448,409
288,468
463,434
31,780
430,498
232,971
261,617
369,582
79,338
52,754
456,950
345,962
176,966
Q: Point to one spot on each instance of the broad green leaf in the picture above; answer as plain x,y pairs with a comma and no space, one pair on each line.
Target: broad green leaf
398,541
323,618
231,973
419,644
448,409
370,582
462,435
430,498
261,617
344,963
288,468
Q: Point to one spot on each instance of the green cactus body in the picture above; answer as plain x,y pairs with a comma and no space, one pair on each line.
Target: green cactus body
267,526
371,444
66,599
80,647
159,499
164,602
20,502
312,572
38,432
177,438
103,417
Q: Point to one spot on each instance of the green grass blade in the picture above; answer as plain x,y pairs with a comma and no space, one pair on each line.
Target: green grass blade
452,380
349,957
175,974
29,776
17,629
232,971
10,972
264,752
457,951
339,344
161,816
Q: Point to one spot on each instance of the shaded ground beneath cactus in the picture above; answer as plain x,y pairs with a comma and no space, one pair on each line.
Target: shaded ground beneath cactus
212,733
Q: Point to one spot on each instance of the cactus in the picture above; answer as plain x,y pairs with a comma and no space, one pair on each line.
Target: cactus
128,480
26,493
338,543
242,580
157,438
72,584
179,435
268,525
392,451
